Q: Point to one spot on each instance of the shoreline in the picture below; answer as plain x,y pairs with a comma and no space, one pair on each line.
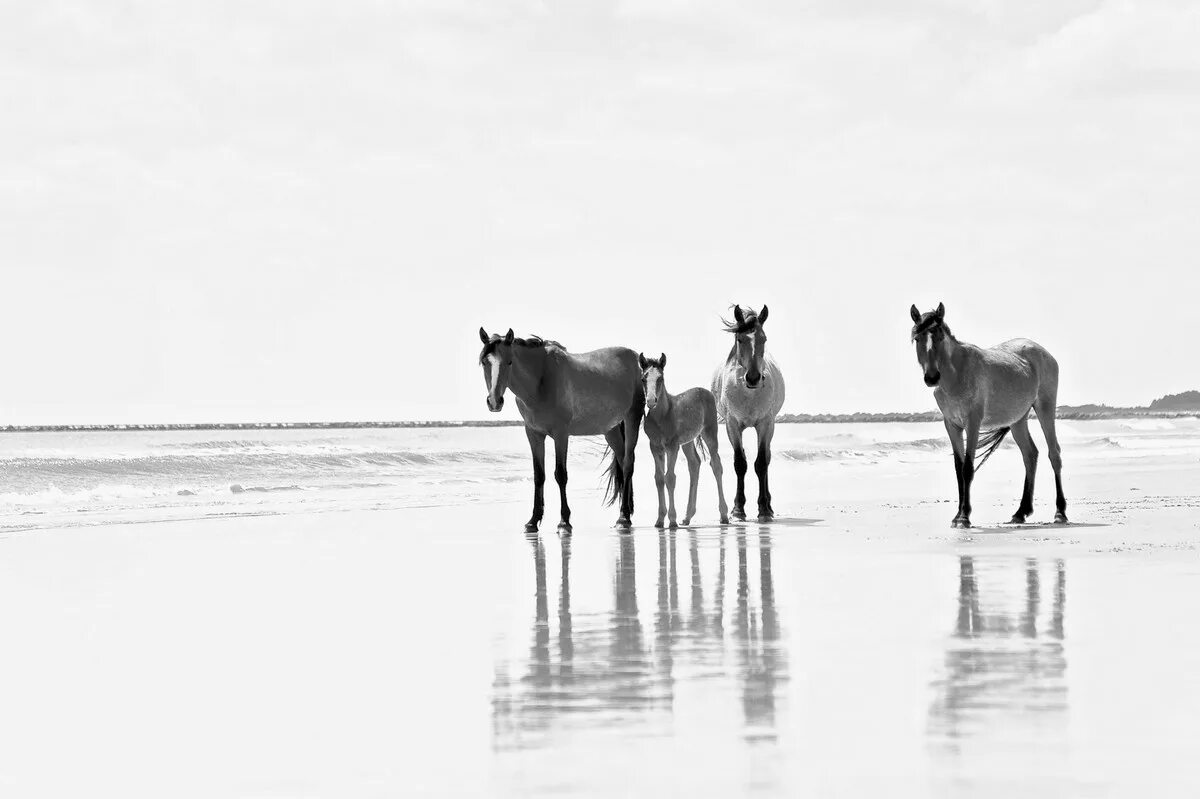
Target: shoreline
1066,413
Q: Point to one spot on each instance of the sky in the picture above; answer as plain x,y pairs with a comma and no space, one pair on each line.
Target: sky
244,211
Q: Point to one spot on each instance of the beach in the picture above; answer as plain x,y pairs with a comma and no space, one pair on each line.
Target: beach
363,616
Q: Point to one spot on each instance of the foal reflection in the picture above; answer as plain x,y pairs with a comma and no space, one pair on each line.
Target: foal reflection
1005,659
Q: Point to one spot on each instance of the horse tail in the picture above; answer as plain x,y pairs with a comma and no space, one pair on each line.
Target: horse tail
616,475
988,444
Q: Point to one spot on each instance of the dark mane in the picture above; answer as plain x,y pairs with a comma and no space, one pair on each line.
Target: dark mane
929,321
538,341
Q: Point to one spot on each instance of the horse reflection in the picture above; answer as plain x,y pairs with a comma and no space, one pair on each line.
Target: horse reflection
1002,661
606,667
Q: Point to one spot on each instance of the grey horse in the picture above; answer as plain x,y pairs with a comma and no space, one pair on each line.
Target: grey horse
990,389
750,391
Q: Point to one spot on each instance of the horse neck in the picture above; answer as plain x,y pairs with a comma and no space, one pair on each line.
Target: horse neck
955,354
528,368
663,409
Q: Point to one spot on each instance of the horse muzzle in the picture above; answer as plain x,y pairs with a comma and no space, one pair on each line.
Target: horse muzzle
753,382
932,380
495,405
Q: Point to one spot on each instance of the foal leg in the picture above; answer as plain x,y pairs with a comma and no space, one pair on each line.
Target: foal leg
537,446
1029,453
1045,412
693,462
734,429
672,456
970,444
765,431
560,476
660,480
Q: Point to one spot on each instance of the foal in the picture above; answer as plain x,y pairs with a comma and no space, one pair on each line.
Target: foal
991,389
687,420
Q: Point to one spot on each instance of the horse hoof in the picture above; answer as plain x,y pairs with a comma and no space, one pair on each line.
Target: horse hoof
960,524
623,524
740,515
724,520
564,528
1017,519
531,527
686,522
674,525
660,524
1060,518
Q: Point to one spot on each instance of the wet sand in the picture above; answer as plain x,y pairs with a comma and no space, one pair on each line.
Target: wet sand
856,646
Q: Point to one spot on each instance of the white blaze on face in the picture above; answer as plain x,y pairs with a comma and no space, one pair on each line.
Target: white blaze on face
929,344
653,376
493,362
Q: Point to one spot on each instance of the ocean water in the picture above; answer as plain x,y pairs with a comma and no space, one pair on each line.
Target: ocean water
92,478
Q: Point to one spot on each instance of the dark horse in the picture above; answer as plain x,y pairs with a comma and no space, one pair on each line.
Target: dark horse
561,394
990,389
749,390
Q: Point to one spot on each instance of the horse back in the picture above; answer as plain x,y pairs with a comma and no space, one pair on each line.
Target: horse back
589,393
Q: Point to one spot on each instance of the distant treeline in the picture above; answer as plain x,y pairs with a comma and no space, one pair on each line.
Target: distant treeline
1170,406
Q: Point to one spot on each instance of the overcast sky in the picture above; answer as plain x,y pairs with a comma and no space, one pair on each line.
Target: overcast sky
305,210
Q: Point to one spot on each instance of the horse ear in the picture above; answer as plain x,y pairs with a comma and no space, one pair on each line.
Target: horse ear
642,361
508,337
662,360
483,336
941,311
916,315
762,317
737,314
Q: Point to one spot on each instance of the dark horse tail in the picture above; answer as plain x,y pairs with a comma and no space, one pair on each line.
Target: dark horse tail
616,475
988,444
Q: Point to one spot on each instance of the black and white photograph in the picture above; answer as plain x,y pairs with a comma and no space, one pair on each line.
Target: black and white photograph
599,398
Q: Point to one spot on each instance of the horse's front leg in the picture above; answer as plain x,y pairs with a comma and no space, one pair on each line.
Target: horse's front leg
560,476
734,429
956,443
970,444
660,482
672,457
537,446
765,431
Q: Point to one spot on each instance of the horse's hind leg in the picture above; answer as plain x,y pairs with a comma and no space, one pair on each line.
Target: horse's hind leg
633,426
672,456
734,429
711,440
1029,453
693,462
1045,408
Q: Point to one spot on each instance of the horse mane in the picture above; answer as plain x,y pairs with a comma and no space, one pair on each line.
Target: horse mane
928,322
751,319
538,341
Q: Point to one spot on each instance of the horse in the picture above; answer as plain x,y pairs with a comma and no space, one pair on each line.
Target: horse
992,390
561,394
749,390
687,420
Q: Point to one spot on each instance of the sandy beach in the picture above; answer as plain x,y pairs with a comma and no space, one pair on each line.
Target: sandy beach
857,645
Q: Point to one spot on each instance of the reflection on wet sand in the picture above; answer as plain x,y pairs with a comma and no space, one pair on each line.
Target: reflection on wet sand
1005,665
607,669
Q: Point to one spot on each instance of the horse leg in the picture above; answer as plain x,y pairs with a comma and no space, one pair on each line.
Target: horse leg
672,457
537,446
765,431
616,442
710,441
1029,453
956,443
560,476
1045,412
633,426
970,444
660,481
693,462
734,429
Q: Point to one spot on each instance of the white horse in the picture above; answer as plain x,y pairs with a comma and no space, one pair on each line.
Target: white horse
990,389
749,389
